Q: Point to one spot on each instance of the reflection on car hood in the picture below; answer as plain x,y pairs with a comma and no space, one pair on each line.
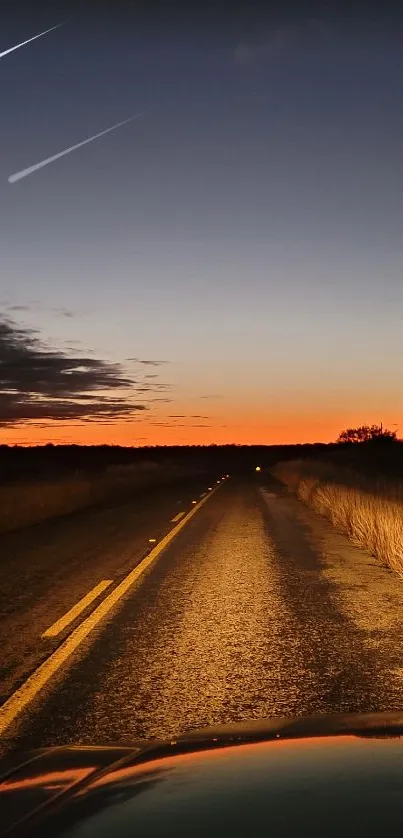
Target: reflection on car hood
339,774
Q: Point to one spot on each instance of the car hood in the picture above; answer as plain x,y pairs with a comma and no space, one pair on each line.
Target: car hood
333,774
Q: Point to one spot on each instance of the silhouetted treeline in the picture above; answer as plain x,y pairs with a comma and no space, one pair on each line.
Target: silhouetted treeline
370,458
18,462
21,463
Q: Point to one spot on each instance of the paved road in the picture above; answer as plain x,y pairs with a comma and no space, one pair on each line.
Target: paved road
256,608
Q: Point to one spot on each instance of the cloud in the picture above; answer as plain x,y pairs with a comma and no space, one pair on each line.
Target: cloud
146,362
177,425
77,346
38,383
152,375
280,38
212,396
185,416
155,387
35,306
65,312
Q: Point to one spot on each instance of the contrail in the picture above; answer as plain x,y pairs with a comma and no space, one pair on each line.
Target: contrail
22,44
36,166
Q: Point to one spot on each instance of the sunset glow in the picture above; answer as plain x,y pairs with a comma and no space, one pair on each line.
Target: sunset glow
229,263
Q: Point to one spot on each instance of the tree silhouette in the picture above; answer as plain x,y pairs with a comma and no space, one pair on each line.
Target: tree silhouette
367,433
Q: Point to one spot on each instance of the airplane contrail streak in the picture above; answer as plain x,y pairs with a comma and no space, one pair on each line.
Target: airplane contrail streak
29,171
22,44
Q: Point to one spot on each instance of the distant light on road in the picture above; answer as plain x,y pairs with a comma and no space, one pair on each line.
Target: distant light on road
258,468
218,481
152,540
210,489
194,501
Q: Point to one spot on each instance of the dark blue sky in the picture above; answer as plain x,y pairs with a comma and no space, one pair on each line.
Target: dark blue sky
247,228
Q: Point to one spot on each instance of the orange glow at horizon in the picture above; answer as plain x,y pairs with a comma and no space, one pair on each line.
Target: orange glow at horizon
286,429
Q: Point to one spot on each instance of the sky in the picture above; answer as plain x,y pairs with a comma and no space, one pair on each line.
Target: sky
226,267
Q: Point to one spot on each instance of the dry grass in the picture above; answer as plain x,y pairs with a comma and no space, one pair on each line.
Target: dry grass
24,504
369,512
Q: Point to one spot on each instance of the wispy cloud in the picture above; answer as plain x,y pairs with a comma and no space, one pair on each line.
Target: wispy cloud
34,306
186,416
147,362
77,346
155,387
19,309
278,39
177,425
65,312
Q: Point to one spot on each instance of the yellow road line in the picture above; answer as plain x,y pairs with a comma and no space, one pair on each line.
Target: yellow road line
77,609
177,517
22,697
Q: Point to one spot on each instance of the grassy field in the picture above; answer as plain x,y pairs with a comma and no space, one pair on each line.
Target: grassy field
26,503
368,510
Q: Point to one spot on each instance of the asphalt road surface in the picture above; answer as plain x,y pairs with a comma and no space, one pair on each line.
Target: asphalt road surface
248,606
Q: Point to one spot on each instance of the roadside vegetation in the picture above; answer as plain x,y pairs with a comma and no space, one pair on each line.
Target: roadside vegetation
367,507
43,482
46,481
25,503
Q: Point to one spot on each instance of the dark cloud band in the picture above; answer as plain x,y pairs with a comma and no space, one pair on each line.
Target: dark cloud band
41,384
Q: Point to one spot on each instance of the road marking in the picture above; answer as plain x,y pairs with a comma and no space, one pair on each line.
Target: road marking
177,517
22,697
77,609
203,495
